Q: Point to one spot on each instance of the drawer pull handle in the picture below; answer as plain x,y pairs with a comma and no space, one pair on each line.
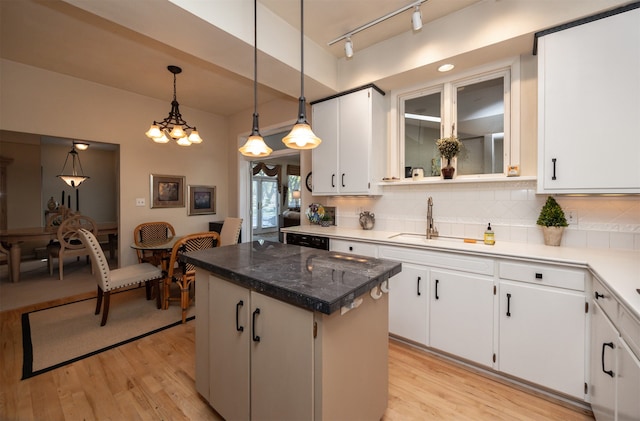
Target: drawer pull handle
343,180
538,275
437,282
333,180
604,345
419,278
256,338
598,295
508,305
238,327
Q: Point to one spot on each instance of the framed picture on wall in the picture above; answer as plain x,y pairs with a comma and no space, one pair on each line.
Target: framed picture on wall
167,191
202,200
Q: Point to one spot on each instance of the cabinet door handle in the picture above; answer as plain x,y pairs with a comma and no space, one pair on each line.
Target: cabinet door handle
553,177
604,345
508,305
333,180
538,275
256,338
598,295
238,327
343,180
419,278
437,282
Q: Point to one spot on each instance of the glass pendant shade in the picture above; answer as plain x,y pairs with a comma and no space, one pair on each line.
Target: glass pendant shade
194,137
161,139
177,132
183,141
301,137
255,147
74,179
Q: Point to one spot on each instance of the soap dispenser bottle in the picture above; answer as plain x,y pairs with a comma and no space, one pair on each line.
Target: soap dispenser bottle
489,236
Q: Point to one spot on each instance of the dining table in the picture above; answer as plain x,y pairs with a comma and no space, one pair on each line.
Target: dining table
10,240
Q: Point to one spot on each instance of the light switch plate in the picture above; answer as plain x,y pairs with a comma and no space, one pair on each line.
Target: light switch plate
140,201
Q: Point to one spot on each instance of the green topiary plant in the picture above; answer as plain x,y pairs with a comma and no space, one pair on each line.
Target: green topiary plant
552,215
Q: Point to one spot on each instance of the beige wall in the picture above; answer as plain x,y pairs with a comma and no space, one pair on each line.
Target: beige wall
42,102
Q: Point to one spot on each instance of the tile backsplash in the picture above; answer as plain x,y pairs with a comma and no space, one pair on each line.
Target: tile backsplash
512,208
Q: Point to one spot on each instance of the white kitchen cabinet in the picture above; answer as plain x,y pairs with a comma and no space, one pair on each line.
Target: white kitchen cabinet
409,304
252,375
461,308
351,158
542,336
615,367
585,103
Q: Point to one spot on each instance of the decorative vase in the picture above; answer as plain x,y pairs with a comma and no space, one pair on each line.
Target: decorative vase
51,204
448,170
552,235
324,223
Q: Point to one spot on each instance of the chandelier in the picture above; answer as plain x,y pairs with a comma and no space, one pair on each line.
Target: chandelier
74,179
174,127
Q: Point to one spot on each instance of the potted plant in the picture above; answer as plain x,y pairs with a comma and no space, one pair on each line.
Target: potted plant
449,148
325,220
553,221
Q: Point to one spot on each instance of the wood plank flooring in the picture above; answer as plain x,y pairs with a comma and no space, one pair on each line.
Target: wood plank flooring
154,379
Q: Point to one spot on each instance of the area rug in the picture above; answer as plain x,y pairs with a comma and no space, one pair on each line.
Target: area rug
58,336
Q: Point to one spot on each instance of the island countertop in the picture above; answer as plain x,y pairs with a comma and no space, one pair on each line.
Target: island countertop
316,280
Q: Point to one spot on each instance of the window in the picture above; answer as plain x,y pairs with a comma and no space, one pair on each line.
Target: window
476,109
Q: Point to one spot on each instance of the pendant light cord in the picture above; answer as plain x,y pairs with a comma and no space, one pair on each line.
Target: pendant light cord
301,48
255,57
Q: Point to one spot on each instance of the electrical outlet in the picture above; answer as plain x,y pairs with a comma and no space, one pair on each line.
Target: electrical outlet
140,201
572,216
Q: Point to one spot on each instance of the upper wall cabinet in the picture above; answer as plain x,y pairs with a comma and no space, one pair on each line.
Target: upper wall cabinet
589,106
351,158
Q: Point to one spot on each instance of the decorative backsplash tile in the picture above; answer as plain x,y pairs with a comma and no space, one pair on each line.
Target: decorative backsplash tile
511,207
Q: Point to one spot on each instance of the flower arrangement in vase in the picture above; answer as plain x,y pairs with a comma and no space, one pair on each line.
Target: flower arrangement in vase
448,148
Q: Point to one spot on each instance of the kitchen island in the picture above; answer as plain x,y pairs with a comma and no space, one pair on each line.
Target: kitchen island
287,332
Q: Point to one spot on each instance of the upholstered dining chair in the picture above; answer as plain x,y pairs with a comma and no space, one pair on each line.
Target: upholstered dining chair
230,231
148,232
109,280
184,274
68,244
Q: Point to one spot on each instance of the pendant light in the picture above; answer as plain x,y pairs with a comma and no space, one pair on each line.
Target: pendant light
74,179
174,126
255,146
301,136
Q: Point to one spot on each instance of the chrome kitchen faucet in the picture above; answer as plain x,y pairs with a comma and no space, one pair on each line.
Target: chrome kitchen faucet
431,229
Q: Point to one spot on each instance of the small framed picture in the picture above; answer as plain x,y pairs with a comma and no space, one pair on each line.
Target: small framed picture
167,191
202,200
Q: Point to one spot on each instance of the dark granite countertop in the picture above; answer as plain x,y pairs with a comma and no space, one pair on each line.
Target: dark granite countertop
316,280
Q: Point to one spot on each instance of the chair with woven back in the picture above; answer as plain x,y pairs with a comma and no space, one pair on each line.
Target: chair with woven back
184,274
109,280
69,244
149,232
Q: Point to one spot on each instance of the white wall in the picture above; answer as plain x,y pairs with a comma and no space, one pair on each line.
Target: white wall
42,102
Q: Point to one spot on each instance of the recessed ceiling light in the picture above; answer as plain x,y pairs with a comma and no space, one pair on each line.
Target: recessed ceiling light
446,67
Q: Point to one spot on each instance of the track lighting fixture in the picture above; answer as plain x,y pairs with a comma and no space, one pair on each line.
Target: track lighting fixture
255,146
348,48
416,19
416,24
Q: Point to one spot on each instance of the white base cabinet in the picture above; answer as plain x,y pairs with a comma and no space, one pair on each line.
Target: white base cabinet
615,366
409,304
461,315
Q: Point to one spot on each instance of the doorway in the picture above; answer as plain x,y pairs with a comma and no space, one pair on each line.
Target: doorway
264,204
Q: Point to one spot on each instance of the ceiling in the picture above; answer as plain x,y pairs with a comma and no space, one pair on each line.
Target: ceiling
57,36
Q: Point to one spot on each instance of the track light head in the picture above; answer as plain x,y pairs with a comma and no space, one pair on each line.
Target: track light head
348,48
416,19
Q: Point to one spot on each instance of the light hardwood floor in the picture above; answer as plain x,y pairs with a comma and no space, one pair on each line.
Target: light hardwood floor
153,378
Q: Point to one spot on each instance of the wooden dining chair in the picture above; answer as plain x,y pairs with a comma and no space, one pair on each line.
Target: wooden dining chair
69,244
230,231
184,274
149,232
109,280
